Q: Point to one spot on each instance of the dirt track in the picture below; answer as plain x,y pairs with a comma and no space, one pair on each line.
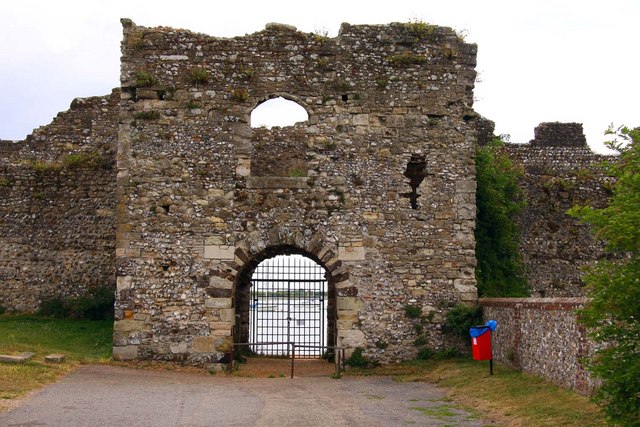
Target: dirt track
108,395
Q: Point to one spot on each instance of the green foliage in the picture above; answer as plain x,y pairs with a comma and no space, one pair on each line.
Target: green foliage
91,160
613,284
147,115
420,29
460,318
5,182
357,360
382,82
43,166
425,353
198,76
193,105
296,173
97,305
145,79
407,59
500,270
420,341
382,345
240,95
412,311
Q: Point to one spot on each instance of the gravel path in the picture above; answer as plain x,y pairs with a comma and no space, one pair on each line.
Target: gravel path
111,396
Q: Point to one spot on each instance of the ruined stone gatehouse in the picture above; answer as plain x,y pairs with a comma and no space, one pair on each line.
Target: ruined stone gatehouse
377,186
166,192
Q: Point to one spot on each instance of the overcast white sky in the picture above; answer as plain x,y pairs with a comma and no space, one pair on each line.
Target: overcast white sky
568,61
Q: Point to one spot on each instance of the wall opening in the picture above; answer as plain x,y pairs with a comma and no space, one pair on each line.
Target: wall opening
416,172
286,297
278,112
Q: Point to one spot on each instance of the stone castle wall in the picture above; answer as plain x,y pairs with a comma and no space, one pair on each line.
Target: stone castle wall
57,207
203,197
378,187
560,171
542,336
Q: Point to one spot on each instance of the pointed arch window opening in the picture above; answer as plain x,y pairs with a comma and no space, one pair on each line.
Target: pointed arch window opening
278,111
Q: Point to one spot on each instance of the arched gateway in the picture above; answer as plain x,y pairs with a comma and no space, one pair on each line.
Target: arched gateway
377,187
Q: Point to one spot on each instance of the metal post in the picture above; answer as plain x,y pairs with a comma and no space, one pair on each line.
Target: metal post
293,356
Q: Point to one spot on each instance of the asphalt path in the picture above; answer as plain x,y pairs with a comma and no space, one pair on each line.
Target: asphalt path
117,396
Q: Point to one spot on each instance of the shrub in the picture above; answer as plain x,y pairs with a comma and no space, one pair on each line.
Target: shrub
613,312
240,95
357,360
92,160
460,318
53,307
97,305
147,115
145,79
500,271
198,76
425,353
413,311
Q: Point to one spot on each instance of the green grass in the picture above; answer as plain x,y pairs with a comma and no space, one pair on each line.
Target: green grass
82,341
509,396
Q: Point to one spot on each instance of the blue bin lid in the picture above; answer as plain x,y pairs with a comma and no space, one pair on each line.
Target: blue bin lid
492,324
476,331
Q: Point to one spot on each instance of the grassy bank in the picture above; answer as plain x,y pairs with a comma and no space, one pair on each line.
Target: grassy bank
82,341
509,397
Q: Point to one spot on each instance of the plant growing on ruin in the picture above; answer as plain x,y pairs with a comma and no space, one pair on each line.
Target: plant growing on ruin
382,82
500,270
613,284
240,95
357,359
90,160
145,79
247,72
460,318
147,115
198,76
412,311
419,28
407,59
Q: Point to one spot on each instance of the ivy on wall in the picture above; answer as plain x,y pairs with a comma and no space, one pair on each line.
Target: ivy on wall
500,269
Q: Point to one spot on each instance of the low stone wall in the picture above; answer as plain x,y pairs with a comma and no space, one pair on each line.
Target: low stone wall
541,336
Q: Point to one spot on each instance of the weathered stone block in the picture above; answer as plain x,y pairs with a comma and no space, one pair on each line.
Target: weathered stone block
127,325
54,358
351,253
227,315
127,352
218,302
220,283
180,347
219,252
202,344
349,304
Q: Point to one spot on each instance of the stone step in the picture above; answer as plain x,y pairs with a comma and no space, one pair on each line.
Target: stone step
19,358
55,358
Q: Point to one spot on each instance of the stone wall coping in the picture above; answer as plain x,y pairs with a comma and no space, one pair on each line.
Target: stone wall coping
558,303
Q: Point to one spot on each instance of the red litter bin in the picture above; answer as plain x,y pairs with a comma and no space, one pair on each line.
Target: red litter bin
481,342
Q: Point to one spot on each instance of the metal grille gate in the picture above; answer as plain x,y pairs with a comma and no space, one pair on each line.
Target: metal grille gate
288,294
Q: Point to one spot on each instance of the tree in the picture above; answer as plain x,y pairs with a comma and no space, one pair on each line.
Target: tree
613,284
500,270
